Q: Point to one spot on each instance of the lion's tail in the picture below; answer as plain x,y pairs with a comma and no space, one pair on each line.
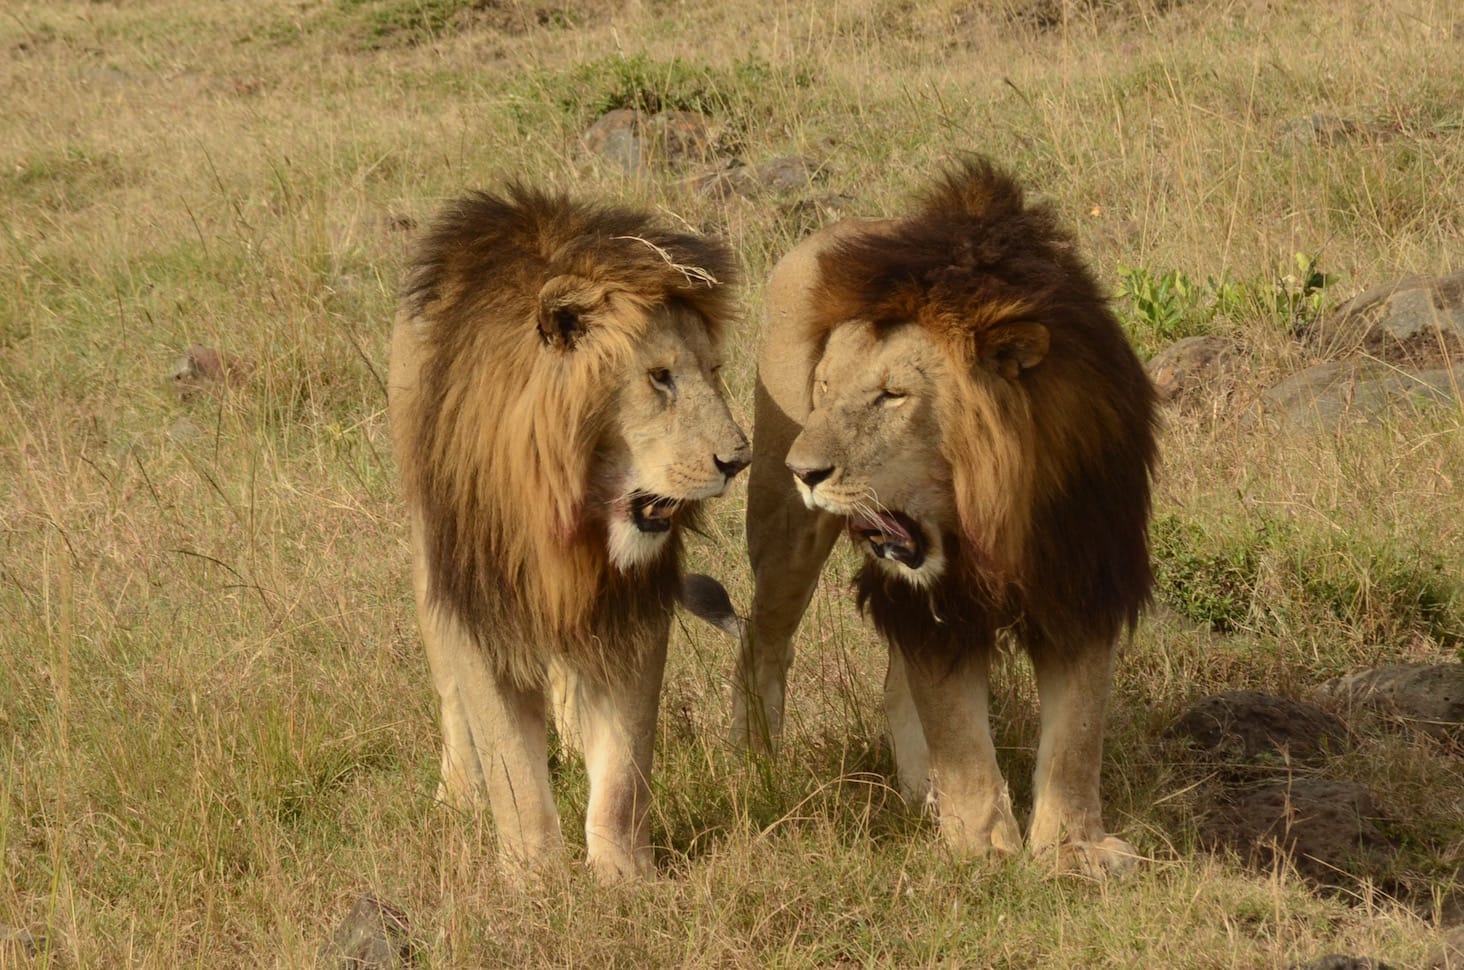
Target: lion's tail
706,598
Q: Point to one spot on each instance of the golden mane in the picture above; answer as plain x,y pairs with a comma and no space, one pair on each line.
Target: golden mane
1049,427
505,434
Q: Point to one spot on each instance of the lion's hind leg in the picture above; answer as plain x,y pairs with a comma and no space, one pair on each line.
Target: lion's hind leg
1067,815
973,806
787,544
462,783
617,727
564,699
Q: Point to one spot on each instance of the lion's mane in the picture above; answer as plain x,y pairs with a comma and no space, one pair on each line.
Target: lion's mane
505,435
1052,463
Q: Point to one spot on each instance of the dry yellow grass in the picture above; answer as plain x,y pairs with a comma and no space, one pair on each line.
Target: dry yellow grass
216,727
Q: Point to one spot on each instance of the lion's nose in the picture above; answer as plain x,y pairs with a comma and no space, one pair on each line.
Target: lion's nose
731,466
811,476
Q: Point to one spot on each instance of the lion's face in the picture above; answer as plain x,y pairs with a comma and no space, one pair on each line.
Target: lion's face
672,441
870,451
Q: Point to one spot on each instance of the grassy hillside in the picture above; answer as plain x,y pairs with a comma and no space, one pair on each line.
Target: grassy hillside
216,726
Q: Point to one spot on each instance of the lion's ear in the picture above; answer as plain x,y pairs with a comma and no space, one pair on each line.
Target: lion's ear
1014,347
564,302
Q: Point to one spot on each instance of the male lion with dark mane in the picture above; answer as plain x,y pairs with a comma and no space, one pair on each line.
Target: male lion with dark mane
557,416
951,390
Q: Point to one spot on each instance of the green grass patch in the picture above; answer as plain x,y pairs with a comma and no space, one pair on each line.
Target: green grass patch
1273,578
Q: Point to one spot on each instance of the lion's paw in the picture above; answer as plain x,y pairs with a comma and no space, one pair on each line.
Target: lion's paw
996,835
1110,857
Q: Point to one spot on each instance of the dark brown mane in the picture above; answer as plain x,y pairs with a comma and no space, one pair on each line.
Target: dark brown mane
1052,461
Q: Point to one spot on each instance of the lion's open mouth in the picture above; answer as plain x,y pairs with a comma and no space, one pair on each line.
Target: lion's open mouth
891,535
652,513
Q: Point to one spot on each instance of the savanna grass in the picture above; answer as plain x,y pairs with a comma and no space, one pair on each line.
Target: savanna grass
216,727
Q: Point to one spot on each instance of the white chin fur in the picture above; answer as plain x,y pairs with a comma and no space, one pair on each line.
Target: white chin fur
630,547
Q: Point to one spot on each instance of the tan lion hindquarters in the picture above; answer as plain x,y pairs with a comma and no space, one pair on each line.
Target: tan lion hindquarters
951,391
558,421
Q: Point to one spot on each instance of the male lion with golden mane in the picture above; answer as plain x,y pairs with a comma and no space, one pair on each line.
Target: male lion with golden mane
557,417
951,390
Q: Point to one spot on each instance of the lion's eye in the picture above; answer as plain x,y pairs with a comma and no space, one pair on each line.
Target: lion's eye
890,399
661,377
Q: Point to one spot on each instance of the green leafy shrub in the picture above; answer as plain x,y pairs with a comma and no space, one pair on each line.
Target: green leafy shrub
1273,578
1160,308
637,82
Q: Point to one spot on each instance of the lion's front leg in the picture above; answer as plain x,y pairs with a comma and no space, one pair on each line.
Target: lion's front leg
1067,814
617,726
509,725
972,804
907,737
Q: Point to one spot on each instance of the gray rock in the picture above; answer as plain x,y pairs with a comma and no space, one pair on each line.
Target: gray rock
778,176
1316,130
20,947
373,936
182,431
1415,320
1429,697
636,141
1331,395
1245,729
615,137
1329,830
1194,368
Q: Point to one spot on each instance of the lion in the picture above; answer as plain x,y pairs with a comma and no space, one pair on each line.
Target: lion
951,391
558,419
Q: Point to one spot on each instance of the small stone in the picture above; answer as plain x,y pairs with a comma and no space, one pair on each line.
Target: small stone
778,176
1194,367
1316,130
183,431
1337,961
18,944
201,368
634,141
373,936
